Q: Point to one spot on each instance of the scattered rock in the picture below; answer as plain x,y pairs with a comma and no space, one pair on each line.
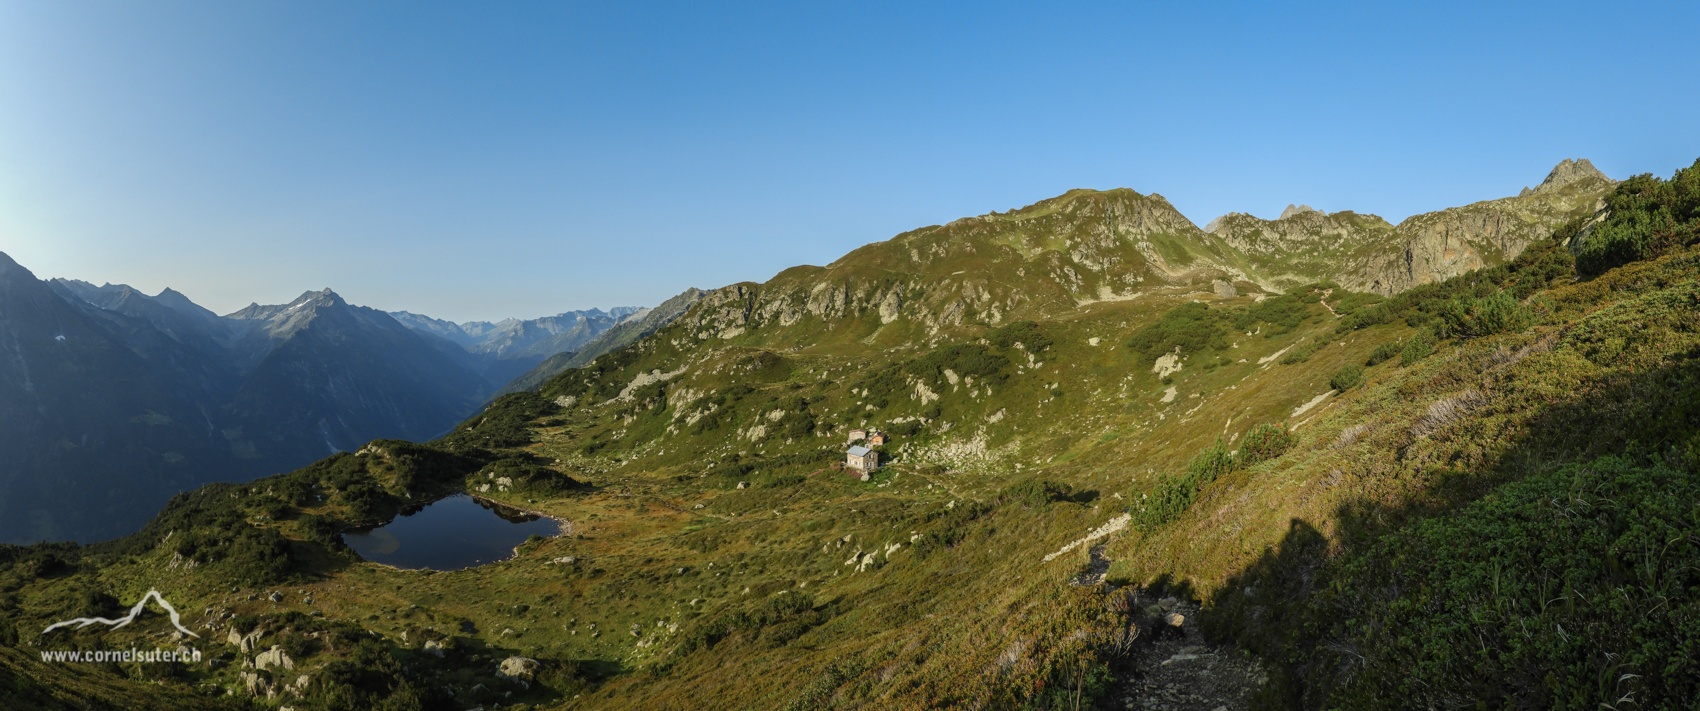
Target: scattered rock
517,668
433,648
276,597
743,484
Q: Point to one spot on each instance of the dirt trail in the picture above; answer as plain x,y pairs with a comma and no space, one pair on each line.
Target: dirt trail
1178,671
1096,568
1172,668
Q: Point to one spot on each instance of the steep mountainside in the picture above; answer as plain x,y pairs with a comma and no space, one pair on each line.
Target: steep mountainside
121,399
101,417
326,374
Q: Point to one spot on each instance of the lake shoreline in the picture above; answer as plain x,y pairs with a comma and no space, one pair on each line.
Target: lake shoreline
456,538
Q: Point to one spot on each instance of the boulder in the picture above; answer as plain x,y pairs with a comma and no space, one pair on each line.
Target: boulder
257,685
517,668
274,657
247,642
433,648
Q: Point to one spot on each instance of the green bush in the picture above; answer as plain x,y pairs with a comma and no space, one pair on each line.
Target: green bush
365,500
1415,349
1646,217
1026,333
1352,303
1286,312
1265,442
1474,318
904,429
1347,377
1213,462
1173,496
964,359
1384,352
1034,492
1192,327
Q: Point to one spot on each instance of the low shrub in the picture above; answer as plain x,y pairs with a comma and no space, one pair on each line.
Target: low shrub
1173,496
1415,349
1646,217
1034,492
1383,353
1265,442
1191,327
1474,318
1530,593
1027,333
1347,377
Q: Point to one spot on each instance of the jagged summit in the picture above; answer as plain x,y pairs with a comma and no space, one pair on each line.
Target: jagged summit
1569,171
1566,172
324,297
1299,210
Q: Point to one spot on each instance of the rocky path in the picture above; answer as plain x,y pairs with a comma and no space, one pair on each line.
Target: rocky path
1177,671
1096,569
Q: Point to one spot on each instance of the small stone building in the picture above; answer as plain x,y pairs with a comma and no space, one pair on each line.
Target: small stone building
862,459
876,439
857,436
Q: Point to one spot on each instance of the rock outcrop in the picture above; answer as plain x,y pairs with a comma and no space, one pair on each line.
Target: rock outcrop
274,657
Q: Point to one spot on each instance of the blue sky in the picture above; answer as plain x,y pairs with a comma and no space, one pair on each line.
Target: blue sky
478,163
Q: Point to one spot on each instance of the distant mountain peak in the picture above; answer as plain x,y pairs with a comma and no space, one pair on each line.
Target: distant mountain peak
1299,210
1569,171
1216,224
12,268
322,297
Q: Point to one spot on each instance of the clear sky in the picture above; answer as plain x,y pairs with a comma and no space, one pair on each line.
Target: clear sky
484,160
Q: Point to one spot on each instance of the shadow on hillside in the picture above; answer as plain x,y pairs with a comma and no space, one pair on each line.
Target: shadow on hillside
1280,605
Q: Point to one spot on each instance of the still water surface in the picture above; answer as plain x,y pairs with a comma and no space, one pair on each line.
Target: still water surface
450,534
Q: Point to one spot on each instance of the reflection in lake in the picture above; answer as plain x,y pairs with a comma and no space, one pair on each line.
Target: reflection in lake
450,534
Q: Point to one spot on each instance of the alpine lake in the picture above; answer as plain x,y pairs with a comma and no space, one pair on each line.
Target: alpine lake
453,533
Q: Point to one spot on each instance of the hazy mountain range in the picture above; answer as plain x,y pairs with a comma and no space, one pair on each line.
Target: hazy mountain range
111,400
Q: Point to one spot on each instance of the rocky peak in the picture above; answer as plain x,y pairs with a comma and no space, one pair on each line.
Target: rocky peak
1566,172
1299,210
315,299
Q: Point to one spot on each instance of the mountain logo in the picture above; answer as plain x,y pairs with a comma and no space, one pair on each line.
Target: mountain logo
81,622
